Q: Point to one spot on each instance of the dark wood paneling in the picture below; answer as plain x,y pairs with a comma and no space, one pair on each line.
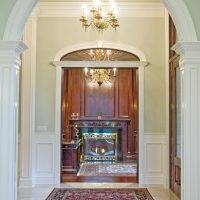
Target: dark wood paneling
116,102
123,92
134,114
99,100
71,157
75,78
175,162
65,106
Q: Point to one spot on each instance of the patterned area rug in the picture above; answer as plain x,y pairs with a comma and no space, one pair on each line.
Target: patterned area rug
105,169
100,194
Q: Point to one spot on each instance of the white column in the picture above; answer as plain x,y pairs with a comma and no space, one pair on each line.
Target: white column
190,119
9,86
28,102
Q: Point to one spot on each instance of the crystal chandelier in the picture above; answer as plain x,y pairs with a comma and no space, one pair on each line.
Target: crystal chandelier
100,75
97,18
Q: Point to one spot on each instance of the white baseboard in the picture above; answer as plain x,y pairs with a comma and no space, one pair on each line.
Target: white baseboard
153,179
25,182
44,180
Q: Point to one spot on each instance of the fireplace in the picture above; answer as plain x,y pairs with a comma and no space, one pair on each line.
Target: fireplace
99,146
102,140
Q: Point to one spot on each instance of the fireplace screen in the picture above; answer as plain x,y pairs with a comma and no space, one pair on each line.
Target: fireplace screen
100,146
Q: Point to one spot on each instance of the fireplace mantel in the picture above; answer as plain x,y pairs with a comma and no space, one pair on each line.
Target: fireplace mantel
109,122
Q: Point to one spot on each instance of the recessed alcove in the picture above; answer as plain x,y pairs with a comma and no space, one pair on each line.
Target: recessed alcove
104,118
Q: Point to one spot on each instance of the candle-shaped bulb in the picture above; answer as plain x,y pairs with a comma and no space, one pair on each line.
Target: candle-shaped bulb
114,71
103,14
86,70
85,10
112,6
115,12
98,4
94,3
91,71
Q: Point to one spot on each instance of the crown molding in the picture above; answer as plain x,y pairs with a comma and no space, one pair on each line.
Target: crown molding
126,10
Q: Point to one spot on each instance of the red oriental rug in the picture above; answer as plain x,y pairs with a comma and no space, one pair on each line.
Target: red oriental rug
107,169
100,194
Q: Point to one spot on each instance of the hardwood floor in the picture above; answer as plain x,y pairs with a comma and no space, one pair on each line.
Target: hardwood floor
96,179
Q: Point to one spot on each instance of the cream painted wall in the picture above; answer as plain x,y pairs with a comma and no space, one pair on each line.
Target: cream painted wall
5,8
145,34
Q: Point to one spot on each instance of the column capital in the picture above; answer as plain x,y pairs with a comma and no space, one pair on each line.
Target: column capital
189,52
10,52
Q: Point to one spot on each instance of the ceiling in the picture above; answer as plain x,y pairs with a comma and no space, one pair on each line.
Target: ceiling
130,1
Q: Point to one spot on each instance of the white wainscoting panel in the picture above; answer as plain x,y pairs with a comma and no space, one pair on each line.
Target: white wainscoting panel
154,159
44,161
154,153
44,154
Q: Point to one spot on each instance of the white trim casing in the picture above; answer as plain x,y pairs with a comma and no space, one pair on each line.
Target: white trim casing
166,154
58,125
102,44
101,64
182,20
99,44
28,103
18,18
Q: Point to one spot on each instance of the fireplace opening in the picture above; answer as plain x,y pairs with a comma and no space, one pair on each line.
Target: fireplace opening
99,146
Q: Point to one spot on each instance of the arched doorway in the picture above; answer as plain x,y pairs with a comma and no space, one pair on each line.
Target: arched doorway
181,20
140,65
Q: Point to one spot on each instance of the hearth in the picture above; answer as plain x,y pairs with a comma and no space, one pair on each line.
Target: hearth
99,146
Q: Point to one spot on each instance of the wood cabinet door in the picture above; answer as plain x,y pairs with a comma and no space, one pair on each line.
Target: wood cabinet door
175,125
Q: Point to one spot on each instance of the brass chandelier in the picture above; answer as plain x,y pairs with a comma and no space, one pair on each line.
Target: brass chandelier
98,18
100,75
